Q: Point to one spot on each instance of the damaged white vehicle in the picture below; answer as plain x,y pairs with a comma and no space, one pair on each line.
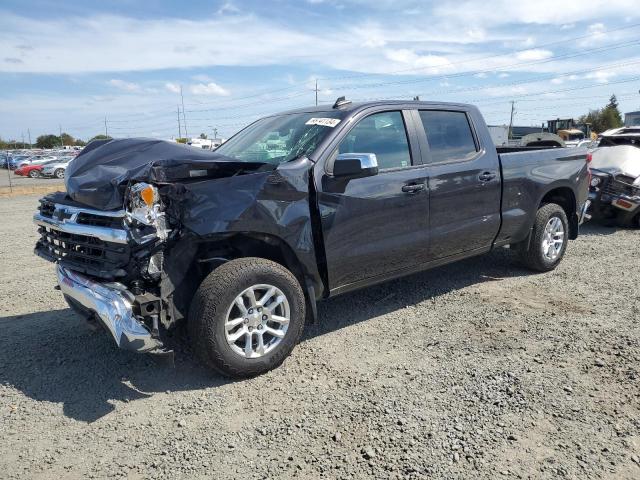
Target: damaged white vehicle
615,182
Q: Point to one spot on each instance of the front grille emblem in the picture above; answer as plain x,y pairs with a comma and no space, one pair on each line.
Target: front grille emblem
61,214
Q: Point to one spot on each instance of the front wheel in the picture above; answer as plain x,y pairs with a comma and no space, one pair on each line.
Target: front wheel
59,173
34,173
548,239
246,317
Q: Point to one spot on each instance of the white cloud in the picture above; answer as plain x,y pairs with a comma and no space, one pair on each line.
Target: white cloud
126,86
427,63
534,54
601,76
504,12
228,8
210,88
172,87
202,78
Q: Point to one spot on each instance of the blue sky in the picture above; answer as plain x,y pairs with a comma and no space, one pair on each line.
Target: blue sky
74,63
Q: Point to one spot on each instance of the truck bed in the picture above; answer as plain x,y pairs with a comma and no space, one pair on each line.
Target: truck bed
529,172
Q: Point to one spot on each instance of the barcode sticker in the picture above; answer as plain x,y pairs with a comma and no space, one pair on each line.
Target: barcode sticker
325,122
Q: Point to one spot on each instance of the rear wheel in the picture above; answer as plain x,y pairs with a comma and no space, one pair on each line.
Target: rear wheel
59,173
548,241
246,317
34,173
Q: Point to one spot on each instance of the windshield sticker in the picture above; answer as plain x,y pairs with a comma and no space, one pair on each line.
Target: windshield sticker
325,122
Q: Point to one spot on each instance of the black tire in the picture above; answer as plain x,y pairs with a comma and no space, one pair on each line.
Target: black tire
59,173
208,310
532,255
34,174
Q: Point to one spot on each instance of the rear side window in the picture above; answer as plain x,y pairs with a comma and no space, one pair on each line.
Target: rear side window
449,135
383,134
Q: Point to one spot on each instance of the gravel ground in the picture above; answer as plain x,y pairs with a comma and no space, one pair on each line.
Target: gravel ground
7,178
475,370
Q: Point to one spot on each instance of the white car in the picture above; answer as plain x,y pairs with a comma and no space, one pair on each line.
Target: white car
37,160
56,169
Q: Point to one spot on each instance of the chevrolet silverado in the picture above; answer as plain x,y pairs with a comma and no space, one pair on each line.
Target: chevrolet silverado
240,243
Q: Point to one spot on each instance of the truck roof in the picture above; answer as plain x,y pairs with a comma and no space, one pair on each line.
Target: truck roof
354,107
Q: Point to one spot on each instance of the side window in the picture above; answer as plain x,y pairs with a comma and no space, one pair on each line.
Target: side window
383,134
449,135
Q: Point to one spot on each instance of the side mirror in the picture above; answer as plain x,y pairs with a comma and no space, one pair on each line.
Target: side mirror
355,165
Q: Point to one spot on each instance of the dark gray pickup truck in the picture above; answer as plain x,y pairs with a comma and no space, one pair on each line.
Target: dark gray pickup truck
297,207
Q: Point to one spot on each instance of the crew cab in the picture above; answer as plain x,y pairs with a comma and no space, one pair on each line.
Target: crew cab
296,208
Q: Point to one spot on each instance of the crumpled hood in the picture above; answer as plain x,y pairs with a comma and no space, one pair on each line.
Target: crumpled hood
99,175
617,159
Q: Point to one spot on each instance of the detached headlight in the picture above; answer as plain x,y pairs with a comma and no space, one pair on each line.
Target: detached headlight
595,181
144,206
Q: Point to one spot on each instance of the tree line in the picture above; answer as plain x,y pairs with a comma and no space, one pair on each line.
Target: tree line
604,118
49,141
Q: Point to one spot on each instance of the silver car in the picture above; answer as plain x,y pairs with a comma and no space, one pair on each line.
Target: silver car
56,169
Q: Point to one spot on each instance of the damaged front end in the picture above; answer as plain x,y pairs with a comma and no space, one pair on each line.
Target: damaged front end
143,222
615,196
110,262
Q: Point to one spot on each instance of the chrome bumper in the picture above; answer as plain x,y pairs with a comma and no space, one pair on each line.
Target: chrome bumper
111,306
583,212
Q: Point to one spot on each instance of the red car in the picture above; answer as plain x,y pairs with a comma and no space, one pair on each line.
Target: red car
32,171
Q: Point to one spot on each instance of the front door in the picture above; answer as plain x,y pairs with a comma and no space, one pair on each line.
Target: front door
376,225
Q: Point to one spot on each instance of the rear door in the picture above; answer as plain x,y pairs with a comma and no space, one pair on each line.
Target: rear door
376,225
464,183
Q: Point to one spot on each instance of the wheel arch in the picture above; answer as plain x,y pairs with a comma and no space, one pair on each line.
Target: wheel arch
566,198
219,249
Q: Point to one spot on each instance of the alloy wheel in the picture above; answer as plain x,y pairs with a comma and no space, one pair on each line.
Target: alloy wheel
257,321
553,238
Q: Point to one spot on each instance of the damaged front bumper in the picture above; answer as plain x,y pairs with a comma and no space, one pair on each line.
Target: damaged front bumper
112,305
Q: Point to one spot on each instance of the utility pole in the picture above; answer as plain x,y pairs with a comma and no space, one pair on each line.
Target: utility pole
61,141
179,128
29,133
316,92
186,134
510,134
106,131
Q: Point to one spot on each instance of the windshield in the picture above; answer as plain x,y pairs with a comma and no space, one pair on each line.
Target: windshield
281,138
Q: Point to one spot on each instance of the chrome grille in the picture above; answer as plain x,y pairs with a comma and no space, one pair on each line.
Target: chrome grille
86,240
620,185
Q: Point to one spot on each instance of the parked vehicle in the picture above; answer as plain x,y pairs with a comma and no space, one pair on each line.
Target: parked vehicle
542,139
16,160
242,242
37,160
615,185
572,136
32,171
56,168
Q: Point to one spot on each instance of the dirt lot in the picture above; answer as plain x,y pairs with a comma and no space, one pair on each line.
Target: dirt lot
9,178
474,370
12,185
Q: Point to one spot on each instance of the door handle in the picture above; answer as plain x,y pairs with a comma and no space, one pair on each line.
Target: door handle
413,188
486,176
